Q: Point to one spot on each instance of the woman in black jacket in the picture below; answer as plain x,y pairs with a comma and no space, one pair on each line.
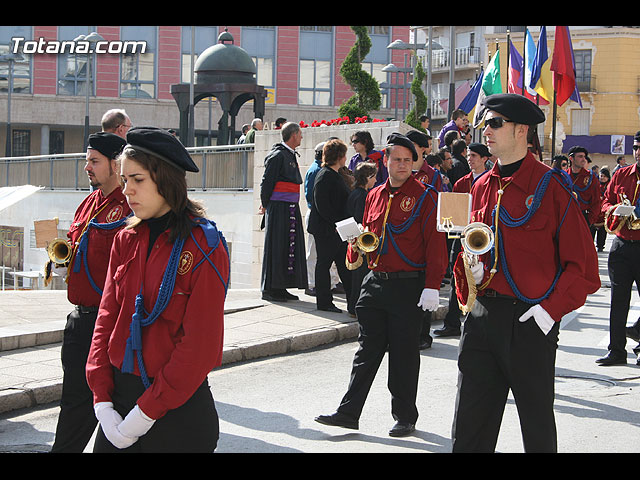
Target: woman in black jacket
365,179
330,194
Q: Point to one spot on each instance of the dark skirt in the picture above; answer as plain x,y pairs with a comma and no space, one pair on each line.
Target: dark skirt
191,428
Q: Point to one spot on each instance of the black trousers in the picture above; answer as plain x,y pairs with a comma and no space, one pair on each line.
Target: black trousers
329,249
389,318
77,421
499,353
599,234
452,318
191,428
624,271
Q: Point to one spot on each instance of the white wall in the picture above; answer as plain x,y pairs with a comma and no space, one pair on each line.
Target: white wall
230,210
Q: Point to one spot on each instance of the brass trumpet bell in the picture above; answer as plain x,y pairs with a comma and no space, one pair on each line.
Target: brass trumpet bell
477,238
59,251
367,242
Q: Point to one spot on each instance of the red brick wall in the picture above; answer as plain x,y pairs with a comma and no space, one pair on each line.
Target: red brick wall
108,66
45,66
168,60
287,68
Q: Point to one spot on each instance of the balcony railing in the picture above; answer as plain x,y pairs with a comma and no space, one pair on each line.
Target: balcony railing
227,167
467,56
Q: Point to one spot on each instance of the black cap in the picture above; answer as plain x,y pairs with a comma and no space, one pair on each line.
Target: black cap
578,148
399,139
480,148
516,108
419,138
162,144
108,144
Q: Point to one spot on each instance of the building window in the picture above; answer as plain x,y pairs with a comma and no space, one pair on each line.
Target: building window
21,69
260,43
20,143
56,142
138,70
316,54
583,70
205,37
72,68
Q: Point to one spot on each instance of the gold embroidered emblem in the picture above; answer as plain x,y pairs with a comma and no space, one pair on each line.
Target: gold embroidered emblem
407,203
115,214
186,261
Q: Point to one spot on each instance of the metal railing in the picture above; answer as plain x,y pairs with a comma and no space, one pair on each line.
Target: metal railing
227,167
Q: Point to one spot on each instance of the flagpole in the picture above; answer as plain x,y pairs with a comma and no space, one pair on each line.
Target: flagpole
508,55
553,127
524,60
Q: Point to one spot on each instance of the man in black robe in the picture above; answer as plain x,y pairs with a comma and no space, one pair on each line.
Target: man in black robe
284,262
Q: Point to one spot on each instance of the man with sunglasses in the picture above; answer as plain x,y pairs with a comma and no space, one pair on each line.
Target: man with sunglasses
542,266
624,259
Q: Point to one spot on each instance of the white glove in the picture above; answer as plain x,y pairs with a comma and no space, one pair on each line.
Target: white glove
542,318
59,270
109,420
135,424
477,271
429,299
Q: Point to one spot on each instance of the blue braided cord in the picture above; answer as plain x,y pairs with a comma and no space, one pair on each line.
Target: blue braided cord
561,178
436,175
512,284
83,247
404,226
579,190
138,319
206,257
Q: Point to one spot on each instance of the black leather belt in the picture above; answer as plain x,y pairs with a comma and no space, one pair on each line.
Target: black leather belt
396,275
83,309
490,293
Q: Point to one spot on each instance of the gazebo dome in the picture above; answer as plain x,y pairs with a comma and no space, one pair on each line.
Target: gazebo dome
224,63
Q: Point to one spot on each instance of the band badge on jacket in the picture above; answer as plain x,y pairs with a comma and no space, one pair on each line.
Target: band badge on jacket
186,262
407,204
114,214
528,201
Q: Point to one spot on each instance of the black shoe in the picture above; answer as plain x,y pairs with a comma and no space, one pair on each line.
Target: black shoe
273,297
338,420
289,296
633,334
330,308
310,291
338,289
447,332
426,343
402,429
611,359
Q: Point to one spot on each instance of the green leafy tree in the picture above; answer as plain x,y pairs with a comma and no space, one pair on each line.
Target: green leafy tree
367,91
420,104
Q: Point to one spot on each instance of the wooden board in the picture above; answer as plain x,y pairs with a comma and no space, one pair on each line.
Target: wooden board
45,230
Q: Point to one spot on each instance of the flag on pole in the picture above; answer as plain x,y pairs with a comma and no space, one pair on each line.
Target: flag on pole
469,102
516,74
563,68
541,77
530,53
491,84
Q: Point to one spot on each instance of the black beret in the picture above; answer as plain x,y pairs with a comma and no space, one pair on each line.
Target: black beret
578,148
399,139
480,148
516,108
162,144
636,137
108,144
419,138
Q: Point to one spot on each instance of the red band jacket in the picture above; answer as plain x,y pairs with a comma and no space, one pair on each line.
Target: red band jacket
107,209
587,189
420,243
625,182
555,236
185,342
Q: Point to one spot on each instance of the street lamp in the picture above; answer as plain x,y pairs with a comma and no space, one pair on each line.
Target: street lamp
92,38
10,58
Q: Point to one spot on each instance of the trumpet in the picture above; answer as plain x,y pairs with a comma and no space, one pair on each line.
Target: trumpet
477,238
59,251
367,242
632,221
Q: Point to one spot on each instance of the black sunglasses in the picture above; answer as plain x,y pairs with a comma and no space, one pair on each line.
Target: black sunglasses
496,122
636,147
